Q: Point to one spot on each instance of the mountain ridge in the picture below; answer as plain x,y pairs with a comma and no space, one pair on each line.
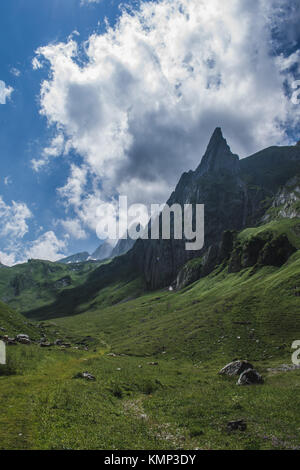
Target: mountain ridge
233,202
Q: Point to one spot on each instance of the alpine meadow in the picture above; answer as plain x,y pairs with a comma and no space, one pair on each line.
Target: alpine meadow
180,331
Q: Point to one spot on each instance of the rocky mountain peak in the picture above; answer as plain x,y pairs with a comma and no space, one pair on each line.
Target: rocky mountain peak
218,156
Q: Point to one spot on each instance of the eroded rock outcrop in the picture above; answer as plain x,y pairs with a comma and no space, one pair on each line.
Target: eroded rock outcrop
236,368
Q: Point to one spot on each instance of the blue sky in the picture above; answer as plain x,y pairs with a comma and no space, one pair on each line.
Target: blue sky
26,25
131,109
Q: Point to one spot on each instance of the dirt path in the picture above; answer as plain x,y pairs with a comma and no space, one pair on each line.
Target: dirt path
165,432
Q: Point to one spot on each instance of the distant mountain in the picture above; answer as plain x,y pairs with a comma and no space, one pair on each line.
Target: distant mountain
38,282
77,258
104,251
122,247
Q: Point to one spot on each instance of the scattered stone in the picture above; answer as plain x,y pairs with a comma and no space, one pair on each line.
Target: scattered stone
84,375
22,336
239,425
152,363
236,368
250,377
58,342
45,345
112,355
9,341
284,368
23,339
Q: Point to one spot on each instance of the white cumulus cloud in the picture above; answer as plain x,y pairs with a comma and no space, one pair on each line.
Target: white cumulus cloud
14,219
5,92
73,227
141,106
46,247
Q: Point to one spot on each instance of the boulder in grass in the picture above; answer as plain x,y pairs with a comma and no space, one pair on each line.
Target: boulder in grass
23,339
9,341
250,377
239,425
22,336
236,368
84,375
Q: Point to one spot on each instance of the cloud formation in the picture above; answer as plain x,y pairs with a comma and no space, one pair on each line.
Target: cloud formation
14,219
46,247
87,2
14,226
139,102
5,92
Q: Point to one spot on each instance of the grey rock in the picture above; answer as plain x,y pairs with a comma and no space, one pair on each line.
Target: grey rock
104,251
23,339
236,368
22,336
10,341
122,247
84,375
250,377
239,425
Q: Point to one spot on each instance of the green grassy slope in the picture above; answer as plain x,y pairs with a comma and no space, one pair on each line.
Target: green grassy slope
12,323
180,403
37,283
117,275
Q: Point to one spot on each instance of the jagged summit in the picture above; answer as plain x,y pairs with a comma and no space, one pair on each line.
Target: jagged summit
218,156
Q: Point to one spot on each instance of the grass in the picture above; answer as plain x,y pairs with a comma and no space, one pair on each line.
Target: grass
156,358
38,283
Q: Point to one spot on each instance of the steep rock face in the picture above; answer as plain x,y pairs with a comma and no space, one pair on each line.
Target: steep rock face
217,184
236,194
286,203
103,252
218,156
276,252
122,247
190,273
